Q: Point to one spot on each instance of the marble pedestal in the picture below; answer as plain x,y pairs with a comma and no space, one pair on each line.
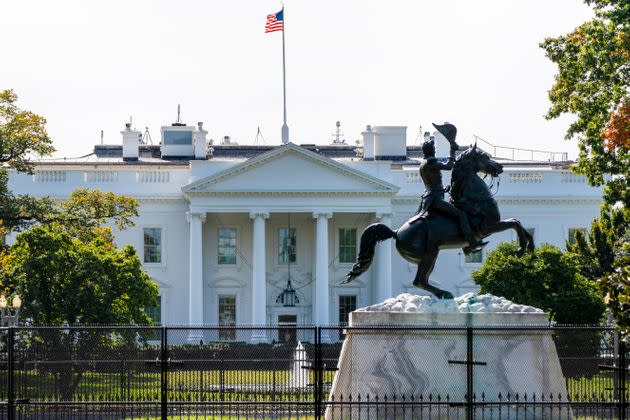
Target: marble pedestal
418,364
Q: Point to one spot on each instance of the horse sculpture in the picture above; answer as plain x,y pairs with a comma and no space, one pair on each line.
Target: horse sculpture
420,239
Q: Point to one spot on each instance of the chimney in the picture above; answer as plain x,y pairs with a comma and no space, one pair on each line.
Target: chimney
442,146
131,143
200,143
390,143
368,143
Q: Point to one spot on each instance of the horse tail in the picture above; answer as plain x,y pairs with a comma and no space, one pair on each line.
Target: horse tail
374,233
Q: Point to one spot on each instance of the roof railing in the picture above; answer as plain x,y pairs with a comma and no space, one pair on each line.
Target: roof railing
521,154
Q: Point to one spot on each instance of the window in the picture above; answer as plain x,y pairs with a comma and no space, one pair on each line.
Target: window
227,246
347,245
155,312
347,304
286,245
227,317
177,137
152,245
475,257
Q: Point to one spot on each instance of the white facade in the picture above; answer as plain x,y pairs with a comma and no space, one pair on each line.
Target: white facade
249,195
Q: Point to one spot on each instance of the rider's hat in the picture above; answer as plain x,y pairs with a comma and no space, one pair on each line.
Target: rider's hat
447,130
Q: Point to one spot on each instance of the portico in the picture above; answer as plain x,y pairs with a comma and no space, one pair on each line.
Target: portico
257,209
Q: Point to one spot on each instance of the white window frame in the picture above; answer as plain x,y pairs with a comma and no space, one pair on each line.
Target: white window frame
473,264
338,245
277,241
359,292
238,246
162,263
536,230
568,229
236,312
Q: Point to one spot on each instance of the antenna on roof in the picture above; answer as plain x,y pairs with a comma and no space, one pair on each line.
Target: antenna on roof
178,122
417,140
131,121
101,137
146,137
259,138
338,134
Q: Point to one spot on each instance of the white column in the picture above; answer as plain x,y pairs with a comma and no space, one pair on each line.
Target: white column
195,275
383,275
322,293
259,281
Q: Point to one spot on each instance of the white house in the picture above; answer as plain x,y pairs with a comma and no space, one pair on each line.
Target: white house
223,228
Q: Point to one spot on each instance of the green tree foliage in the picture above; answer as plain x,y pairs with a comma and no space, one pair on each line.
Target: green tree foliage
22,134
616,285
545,279
593,83
22,137
65,281
70,277
594,254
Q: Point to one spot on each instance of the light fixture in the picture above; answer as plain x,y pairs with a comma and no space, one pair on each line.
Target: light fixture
9,315
17,302
288,297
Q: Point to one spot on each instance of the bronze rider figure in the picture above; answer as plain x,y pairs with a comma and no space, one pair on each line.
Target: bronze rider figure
433,196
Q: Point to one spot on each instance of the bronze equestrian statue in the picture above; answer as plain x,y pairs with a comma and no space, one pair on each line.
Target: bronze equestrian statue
471,215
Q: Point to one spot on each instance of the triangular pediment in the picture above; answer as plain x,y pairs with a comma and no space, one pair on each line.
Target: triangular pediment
291,168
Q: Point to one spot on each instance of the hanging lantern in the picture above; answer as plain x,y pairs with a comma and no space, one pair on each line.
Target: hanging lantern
288,297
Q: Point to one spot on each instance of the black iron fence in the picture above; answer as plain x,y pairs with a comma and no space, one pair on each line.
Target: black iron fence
287,373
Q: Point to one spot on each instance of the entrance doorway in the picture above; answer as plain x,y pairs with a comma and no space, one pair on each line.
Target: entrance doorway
286,328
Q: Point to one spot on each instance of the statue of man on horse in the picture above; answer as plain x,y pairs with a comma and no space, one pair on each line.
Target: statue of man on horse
471,215
433,198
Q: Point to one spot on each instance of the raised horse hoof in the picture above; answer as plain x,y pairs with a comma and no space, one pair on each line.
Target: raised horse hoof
445,295
520,252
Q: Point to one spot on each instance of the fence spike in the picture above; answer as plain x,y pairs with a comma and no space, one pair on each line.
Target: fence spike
439,398
500,396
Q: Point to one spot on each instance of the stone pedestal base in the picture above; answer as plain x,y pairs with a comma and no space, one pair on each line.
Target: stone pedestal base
422,364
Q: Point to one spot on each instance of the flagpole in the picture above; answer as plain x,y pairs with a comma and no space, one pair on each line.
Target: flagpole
285,127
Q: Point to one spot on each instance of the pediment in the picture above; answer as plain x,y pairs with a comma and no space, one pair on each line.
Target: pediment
290,169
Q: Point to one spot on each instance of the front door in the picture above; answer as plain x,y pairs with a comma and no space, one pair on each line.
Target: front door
286,328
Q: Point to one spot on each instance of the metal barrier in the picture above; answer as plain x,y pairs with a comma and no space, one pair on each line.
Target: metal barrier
261,372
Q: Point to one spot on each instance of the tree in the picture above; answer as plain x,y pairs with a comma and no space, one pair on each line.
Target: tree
594,254
593,83
22,134
545,279
617,286
65,279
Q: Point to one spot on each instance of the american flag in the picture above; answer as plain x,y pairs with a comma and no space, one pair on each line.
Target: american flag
275,22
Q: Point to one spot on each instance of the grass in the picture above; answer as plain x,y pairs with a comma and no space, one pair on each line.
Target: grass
182,385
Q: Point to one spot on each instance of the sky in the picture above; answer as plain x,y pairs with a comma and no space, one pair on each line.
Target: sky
89,66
